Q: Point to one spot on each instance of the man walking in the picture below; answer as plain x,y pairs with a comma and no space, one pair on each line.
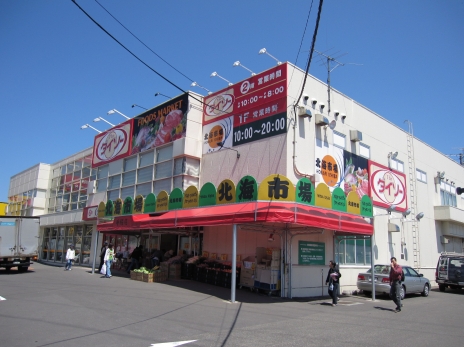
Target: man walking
102,255
396,272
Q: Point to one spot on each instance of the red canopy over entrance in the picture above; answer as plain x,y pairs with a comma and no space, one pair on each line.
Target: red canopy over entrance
251,212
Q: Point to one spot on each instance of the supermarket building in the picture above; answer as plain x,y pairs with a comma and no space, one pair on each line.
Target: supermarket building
257,164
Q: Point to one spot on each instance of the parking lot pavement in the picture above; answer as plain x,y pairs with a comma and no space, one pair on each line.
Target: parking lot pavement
52,307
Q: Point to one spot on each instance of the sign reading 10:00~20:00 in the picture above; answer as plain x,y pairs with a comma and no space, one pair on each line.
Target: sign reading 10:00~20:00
260,129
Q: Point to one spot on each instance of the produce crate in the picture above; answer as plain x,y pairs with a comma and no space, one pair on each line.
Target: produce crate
160,276
133,275
147,278
138,276
174,271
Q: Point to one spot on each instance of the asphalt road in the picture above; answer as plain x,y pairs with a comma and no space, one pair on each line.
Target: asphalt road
51,307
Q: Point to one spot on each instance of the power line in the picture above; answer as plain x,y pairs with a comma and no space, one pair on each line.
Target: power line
312,48
143,42
130,52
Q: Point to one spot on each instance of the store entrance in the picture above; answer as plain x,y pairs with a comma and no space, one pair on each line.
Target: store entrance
168,242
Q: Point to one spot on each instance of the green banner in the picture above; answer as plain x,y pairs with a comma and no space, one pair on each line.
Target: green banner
311,253
338,200
176,199
366,207
109,209
207,195
247,189
305,191
150,203
128,205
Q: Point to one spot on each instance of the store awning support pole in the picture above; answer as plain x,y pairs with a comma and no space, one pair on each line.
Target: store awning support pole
372,267
234,264
94,251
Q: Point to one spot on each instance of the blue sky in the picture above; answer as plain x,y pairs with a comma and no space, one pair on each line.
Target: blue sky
58,70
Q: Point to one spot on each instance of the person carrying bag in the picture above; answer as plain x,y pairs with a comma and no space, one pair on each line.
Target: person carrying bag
333,280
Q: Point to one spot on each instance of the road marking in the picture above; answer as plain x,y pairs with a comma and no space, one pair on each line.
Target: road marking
171,344
2,298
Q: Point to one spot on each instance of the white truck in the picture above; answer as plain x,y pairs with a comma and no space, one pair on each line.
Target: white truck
19,241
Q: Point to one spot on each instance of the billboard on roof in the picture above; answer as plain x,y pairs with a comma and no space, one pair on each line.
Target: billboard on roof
247,111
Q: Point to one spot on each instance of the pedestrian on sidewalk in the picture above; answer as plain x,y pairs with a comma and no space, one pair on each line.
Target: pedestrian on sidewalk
333,280
70,254
102,255
396,272
109,257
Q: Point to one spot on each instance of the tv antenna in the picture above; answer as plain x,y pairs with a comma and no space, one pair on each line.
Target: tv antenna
460,155
328,61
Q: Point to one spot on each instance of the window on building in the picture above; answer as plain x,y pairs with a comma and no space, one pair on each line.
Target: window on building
339,139
143,189
364,150
164,153
421,176
114,182
127,192
145,174
163,170
130,164
352,250
160,185
128,178
448,194
113,194
102,172
397,165
102,185
146,158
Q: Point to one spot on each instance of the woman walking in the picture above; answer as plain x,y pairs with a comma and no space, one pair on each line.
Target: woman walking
333,280
109,257
70,254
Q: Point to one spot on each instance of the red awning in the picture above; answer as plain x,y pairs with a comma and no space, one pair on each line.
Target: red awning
241,213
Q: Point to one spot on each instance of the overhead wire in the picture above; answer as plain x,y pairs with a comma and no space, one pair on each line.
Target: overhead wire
143,43
302,38
135,56
312,49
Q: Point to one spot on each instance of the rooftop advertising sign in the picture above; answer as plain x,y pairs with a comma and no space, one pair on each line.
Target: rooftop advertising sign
112,144
247,111
160,125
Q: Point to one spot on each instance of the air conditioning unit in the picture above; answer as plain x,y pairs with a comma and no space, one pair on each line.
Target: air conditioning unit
393,228
444,240
303,112
356,135
321,120
91,187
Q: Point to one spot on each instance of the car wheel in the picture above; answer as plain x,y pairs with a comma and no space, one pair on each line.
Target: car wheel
402,292
441,287
22,268
367,293
425,292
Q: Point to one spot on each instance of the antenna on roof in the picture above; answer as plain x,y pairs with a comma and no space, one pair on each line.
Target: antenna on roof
330,59
460,155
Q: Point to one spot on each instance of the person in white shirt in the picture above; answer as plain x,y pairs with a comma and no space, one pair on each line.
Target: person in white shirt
70,254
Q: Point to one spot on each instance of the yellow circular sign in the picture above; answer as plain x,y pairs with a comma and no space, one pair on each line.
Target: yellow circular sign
329,170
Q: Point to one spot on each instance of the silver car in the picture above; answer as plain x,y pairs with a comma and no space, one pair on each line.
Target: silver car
414,282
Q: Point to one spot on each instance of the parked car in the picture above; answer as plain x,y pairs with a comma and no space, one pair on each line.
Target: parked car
450,271
414,282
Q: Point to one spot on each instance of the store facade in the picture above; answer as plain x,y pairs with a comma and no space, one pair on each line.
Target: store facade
363,188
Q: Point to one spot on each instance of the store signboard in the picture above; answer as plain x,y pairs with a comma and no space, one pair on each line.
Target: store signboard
247,111
387,187
226,193
338,168
251,93
311,253
112,144
90,213
160,125
247,189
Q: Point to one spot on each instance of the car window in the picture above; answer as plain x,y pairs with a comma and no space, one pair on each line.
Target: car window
412,272
382,269
456,263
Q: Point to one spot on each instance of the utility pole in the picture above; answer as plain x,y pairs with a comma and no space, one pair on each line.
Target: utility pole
331,60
